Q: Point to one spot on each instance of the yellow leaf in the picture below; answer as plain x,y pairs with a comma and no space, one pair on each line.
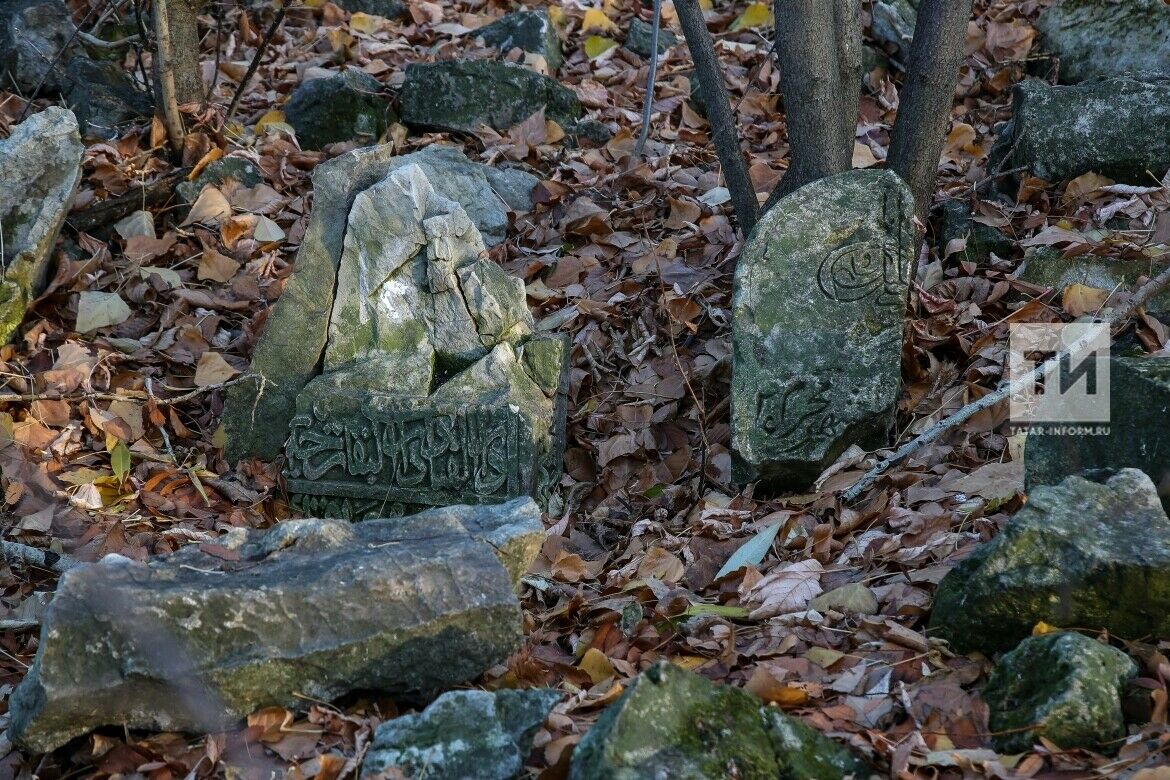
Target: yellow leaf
213,370
269,118
706,5
1043,628
595,46
314,3
596,21
367,24
214,154
556,15
595,664
1081,299
688,662
756,15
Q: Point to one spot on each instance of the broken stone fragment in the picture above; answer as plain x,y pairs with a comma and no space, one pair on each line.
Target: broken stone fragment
40,167
640,37
669,717
1099,39
527,30
1095,556
817,314
289,353
310,609
1116,127
463,96
1062,686
471,735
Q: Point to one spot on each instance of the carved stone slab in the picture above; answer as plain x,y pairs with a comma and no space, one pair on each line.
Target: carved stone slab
820,293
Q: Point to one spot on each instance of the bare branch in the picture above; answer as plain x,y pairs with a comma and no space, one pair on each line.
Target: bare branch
649,101
14,552
1005,390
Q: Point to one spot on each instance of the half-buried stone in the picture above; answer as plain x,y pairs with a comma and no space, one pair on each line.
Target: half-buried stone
817,314
530,31
309,610
436,390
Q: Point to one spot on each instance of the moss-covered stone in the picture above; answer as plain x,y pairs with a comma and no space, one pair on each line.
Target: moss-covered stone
1138,435
527,30
1062,686
308,610
982,240
893,27
1094,39
389,9
40,167
347,106
1081,553
640,37
104,98
669,717
237,169
1047,267
1115,127
464,95
817,315
471,735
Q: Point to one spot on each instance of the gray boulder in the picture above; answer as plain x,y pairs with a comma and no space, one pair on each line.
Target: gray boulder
640,38
349,106
1081,553
1047,267
669,717
470,735
982,240
462,96
40,167
259,409
310,609
527,30
32,35
389,9
1138,436
1115,127
817,314
1063,686
1095,39
893,27
104,98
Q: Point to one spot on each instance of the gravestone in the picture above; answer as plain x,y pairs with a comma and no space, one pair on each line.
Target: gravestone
291,350
817,314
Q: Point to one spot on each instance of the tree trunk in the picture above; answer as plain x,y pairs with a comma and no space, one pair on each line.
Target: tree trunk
927,95
724,132
184,44
819,49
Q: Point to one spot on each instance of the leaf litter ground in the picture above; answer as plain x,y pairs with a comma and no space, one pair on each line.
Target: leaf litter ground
111,401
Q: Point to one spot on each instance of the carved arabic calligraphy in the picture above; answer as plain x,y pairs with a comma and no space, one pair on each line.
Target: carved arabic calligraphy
794,411
867,269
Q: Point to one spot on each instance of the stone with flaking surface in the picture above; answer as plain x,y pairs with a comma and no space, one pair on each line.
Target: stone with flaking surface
308,610
1081,553
1094,39
817,314
40,167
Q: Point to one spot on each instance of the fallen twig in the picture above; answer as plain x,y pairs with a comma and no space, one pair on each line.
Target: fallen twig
254,64
15,552
648,105
1005,390
129,395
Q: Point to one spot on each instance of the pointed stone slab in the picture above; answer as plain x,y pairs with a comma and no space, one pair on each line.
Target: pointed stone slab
309,610
817,314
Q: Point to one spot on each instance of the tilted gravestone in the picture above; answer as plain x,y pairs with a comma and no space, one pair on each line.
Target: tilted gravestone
817,314
436,388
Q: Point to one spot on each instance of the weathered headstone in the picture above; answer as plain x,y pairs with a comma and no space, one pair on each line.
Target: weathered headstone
435,389
347,106
1062,686
1094,39
40,167
289,354
1116,127
1084,554
528,30
465,95
470,735
1138,432
311,609
669,717
817,314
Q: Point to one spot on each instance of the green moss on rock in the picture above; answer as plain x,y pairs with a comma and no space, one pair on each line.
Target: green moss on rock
1094,39
347,106
1062,686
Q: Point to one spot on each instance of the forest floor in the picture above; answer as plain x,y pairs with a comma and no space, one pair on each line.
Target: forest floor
635,258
